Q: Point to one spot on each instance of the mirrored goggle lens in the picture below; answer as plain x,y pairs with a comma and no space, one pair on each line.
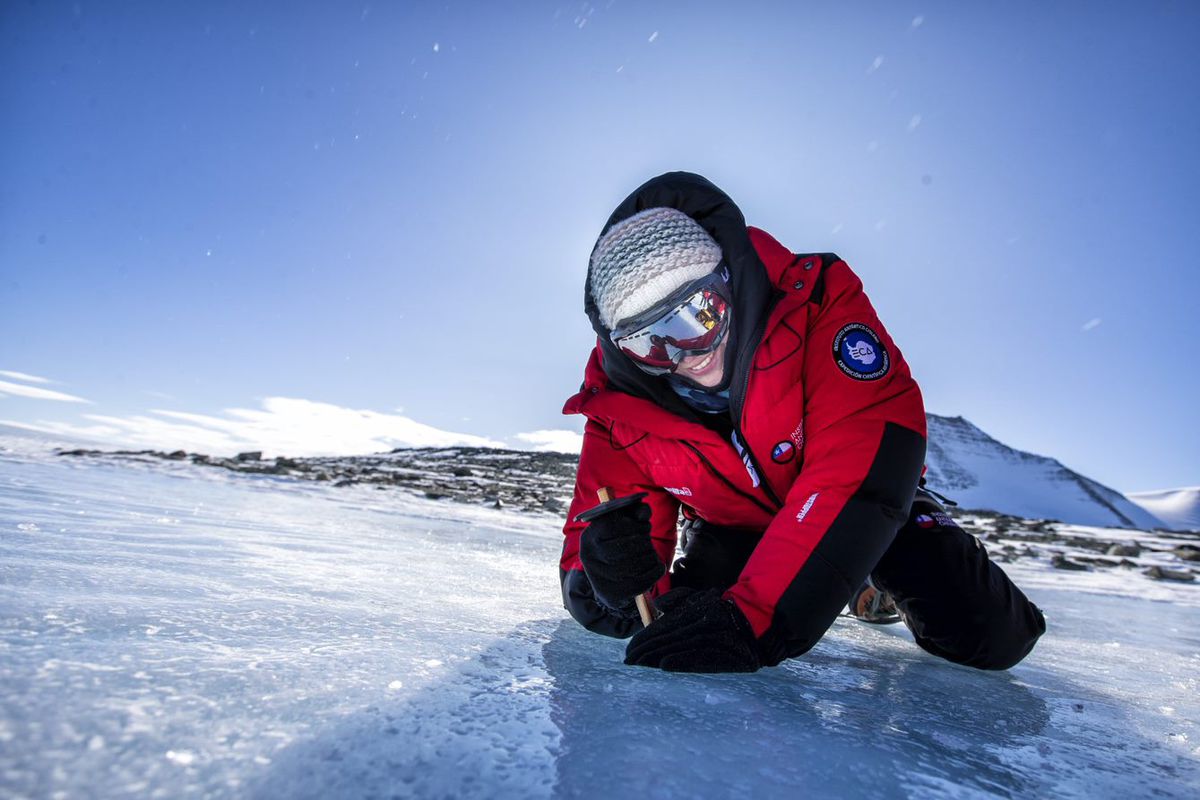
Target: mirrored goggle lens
694,325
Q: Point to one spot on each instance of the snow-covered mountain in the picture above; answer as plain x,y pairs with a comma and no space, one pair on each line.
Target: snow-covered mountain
1179,508
979,472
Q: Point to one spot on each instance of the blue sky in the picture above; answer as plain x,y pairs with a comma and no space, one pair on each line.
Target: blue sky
372,209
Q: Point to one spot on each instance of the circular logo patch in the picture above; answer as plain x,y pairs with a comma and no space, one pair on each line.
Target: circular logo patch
925,521
783,452
860,353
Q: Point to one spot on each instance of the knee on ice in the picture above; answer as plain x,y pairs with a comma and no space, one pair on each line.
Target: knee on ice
994,644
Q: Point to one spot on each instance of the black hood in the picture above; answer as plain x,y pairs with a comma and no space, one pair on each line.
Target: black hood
697,197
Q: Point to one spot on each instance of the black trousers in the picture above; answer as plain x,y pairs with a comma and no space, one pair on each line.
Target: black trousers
957,603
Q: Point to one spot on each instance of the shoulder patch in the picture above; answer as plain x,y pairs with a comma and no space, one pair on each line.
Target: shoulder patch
859,352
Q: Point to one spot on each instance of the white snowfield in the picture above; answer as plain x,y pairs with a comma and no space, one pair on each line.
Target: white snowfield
171,631
1179,508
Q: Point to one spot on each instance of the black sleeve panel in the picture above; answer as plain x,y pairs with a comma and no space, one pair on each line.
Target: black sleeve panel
850,549
580,601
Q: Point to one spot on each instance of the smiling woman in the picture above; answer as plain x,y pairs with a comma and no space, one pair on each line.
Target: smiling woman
706,370
801,462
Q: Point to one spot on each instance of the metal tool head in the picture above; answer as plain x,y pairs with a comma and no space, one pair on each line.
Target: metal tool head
609,506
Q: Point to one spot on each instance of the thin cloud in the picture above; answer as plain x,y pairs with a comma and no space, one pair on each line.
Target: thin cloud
34,393
283,426
21,376
1090,324
304,427
68,431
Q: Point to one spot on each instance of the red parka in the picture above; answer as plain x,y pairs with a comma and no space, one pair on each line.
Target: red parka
821,453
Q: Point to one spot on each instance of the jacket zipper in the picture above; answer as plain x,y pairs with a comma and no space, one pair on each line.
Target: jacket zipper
762,476
737,400
727,482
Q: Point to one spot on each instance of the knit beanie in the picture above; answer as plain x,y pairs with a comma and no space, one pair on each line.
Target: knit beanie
642,259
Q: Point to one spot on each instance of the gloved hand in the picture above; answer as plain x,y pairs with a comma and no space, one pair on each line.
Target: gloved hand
618,556
699,631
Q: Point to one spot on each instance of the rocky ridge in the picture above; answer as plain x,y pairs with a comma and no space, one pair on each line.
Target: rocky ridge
516,479
542,482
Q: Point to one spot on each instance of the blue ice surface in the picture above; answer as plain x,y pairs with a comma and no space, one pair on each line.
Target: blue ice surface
170,631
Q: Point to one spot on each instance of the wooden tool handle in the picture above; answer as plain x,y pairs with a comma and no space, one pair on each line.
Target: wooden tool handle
642,600
643,606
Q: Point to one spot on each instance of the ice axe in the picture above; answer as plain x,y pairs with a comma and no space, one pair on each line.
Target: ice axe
607,505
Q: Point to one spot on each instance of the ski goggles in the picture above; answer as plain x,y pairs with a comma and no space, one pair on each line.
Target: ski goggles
691,321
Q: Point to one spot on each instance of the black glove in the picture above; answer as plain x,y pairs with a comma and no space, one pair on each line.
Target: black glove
618,556
699,631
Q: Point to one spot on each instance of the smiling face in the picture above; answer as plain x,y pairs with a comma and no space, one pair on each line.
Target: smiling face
705,370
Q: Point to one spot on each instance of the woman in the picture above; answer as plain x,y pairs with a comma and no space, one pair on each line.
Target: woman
756,389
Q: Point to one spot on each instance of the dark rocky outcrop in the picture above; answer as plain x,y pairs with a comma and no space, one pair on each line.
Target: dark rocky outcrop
1164,574
515,479
542,483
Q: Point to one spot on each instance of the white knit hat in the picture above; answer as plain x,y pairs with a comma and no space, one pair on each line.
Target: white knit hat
643,258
